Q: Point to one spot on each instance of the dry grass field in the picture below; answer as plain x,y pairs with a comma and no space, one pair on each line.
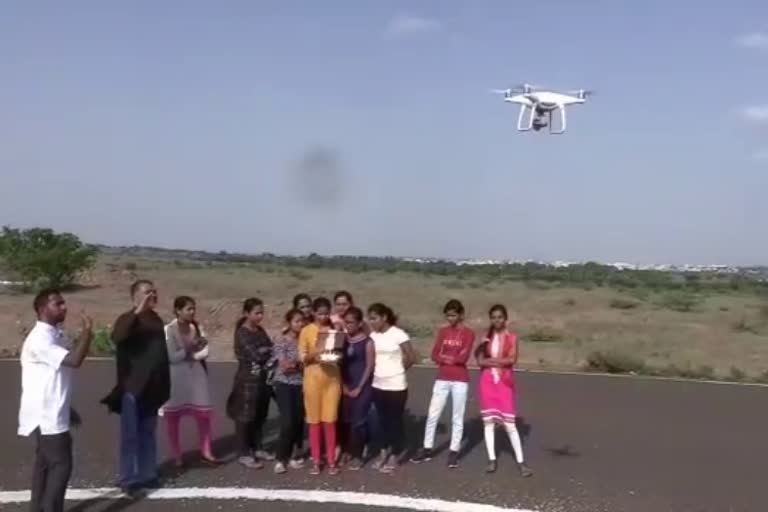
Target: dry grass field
723,335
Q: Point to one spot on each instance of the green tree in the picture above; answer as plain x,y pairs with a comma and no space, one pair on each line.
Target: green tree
42,257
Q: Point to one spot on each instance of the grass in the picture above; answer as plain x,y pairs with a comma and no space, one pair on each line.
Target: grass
561,327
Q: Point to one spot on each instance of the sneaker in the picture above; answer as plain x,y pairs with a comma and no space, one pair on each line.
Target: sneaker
422,455
380,461
333,469
315,470
264,455
525,471
280,468
151,484
296,463
491,467
355,465
390,465
453,460
130,490
249,462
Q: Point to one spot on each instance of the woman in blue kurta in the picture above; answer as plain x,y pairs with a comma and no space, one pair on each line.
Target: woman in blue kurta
357,375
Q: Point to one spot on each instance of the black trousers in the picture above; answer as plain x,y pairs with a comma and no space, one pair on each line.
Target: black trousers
390,408
354,438
250,433
290,403
53,467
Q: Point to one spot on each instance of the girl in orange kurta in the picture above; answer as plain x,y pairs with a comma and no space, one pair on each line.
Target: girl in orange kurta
322,385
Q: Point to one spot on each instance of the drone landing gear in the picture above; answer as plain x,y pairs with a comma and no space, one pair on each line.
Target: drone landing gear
539,118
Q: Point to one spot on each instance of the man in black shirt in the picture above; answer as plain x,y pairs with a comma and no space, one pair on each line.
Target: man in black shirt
143,386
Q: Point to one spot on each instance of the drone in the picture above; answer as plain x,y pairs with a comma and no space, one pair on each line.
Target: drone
540,103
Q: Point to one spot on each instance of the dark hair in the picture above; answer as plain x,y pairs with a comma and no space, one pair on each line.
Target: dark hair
136,284
321,302
496,308
291,314
181,302
300,297
345,294
248,305
42,298
356,313
383,310
454,305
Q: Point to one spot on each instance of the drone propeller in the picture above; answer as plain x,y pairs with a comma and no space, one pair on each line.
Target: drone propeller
505,92
582,93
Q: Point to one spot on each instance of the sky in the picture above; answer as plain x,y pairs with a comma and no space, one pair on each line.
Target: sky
364,127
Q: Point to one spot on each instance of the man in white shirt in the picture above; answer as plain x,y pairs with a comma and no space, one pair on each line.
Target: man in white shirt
46,381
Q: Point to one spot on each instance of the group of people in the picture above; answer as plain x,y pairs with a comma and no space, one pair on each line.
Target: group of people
336,372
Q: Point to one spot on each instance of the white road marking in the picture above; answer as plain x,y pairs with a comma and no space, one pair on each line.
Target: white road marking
294,495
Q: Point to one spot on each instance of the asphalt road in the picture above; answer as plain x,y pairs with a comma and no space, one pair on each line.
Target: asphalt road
595,443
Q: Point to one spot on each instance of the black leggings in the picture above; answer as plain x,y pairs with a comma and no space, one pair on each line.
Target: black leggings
354,439
249,433
290,403
390,408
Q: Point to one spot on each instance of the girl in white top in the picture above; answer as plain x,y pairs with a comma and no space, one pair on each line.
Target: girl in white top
187,352
394,355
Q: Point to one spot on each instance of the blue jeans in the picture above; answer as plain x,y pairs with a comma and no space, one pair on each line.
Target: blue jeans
440,393
138,446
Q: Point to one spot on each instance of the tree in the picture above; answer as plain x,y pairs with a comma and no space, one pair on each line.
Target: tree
42,257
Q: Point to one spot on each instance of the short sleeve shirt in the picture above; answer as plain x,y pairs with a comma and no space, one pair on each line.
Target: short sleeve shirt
45,382
389,372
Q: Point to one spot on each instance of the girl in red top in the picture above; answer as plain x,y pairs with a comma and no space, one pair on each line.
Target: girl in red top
451,352
497,356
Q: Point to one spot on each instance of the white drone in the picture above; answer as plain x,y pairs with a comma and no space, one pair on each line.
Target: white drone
541,103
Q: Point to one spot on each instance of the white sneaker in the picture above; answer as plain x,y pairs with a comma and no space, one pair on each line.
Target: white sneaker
280,468
263,455
296,463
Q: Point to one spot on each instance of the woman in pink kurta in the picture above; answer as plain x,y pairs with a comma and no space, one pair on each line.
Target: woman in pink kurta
497,356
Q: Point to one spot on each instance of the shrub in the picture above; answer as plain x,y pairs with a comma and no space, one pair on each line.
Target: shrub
102,342
42,257
736,375
614,362
742,325
762,378
623,304
680,301
454,285
703,372
544,335
570,302
301,276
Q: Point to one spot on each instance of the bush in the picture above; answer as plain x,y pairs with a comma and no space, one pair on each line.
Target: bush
102,342
681,302
42,257
544,335
614,362
454,285
736,375
623,304
703,372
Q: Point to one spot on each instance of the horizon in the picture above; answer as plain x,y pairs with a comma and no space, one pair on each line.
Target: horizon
364,128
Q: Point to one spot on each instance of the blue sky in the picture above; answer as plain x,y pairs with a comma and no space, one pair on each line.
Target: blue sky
184,124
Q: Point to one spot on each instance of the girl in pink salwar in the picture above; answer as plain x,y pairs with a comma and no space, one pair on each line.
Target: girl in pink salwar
187,352
497,356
